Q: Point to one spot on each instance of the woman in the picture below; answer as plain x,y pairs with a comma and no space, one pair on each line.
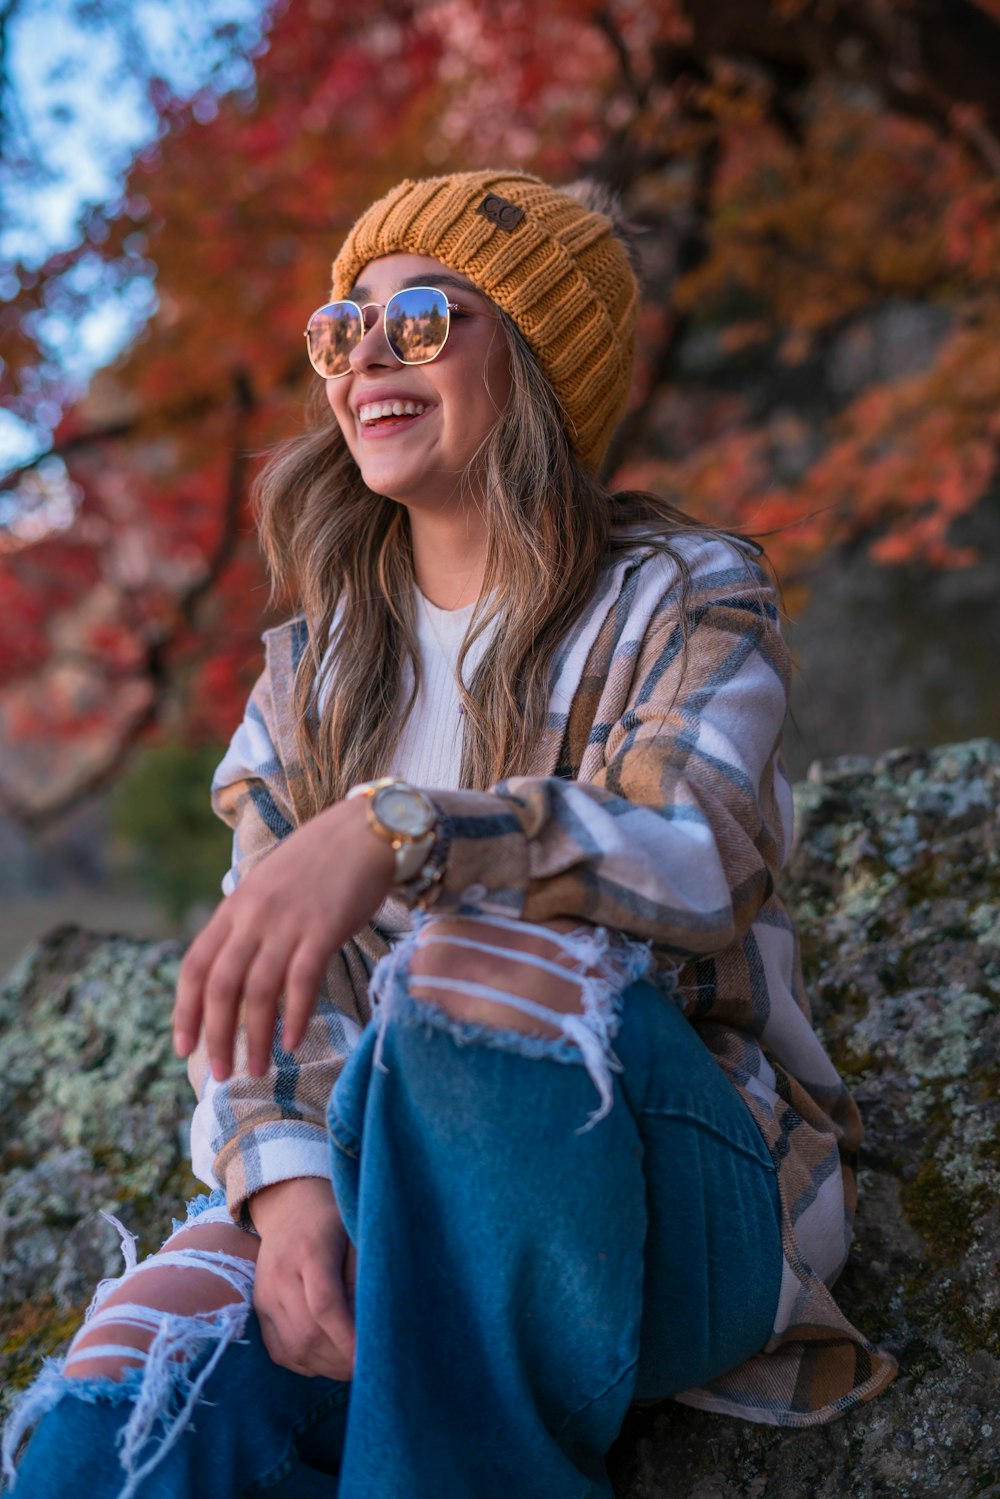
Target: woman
589,1148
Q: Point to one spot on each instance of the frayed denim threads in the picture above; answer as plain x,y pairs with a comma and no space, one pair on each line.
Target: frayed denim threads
169,1376
585,1035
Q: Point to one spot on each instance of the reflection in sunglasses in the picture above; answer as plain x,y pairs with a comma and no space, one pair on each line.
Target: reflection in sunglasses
416,323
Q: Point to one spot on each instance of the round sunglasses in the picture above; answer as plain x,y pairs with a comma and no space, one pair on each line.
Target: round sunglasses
416,322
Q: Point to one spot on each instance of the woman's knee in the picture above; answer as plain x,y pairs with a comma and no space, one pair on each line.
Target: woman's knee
202,1274
477,969
150,1343
560,985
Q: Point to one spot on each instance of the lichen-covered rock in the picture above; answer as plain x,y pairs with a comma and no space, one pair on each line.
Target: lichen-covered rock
92,1107
896,887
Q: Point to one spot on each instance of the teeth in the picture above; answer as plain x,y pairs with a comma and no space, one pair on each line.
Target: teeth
373,410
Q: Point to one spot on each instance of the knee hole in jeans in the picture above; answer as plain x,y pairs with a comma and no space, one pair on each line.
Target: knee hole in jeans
561,983
200,1271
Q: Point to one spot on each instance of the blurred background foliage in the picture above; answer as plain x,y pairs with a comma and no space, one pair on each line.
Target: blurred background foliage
178,850
819,346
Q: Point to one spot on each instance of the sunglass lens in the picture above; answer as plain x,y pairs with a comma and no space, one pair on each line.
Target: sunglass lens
332,333
416,324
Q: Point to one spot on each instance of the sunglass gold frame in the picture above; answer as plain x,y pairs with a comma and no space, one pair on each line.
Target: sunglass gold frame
450,307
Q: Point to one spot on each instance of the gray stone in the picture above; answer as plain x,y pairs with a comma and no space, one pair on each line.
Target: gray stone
895,883
91,1099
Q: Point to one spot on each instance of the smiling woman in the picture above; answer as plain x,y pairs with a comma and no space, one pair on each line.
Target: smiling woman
507,1093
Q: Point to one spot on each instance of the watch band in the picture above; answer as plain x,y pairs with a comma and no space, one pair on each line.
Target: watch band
412,857
422,889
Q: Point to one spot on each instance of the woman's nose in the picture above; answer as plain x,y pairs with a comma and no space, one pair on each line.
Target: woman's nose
373,348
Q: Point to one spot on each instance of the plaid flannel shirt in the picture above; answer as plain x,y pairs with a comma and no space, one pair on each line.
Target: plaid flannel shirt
656,804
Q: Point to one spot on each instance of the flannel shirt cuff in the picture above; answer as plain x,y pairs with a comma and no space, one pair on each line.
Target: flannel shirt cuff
275,1159
486,863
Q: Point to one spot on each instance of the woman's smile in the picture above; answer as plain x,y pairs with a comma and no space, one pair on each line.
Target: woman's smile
388,414
383,411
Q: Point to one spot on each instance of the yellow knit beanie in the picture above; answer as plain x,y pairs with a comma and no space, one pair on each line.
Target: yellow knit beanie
552,264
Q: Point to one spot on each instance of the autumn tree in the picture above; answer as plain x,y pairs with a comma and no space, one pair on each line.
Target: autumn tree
796,166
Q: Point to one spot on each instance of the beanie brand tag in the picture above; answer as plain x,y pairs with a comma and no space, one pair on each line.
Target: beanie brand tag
505,215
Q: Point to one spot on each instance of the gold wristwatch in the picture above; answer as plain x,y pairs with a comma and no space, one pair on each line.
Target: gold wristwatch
405,818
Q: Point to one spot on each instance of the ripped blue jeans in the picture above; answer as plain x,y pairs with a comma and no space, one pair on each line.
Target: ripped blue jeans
547,1226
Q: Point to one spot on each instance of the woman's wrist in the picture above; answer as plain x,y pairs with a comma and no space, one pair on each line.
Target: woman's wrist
280,1201
355,812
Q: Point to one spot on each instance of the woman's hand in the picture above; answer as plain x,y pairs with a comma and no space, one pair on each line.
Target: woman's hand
304,1283
276,933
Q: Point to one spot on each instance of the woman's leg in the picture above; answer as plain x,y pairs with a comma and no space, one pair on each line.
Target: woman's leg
510,1204
167,1390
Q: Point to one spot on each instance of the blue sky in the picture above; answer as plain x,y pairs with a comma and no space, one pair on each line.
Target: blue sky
80,112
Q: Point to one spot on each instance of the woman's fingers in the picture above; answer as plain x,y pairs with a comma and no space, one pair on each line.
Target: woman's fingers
261,994
327,1303
223,993
303,979
231,964
298,1290
276,1343
189,1002
300,904
296,1338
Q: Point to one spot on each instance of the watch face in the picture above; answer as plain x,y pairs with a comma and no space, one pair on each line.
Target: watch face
403,811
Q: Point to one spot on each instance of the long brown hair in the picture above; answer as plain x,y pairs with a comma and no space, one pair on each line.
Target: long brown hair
344,554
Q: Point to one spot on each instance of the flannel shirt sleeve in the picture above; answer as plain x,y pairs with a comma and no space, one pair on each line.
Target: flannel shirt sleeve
247,1133
679,836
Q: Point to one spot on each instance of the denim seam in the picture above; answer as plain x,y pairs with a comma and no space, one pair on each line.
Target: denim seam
761,1157
292,1458
601,1395
344,1139
274,1475
319,1410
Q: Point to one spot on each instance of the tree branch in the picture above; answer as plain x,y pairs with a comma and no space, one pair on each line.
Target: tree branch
606,23
31,815
937,61
244,403
35,817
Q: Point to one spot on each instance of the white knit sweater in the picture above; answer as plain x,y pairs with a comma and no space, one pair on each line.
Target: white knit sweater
429,753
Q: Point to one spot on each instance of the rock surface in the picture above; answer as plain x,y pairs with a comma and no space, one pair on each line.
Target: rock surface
93,1109
896,888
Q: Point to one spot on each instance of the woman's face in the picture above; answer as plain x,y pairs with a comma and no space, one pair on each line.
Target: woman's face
457,398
